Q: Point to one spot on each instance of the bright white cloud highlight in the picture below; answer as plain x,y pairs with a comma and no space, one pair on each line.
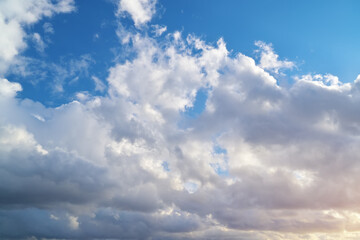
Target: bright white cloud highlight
141,11
9,89
73,222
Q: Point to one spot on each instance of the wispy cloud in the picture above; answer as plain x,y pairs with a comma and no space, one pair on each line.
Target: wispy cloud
269,60
99,85
39,43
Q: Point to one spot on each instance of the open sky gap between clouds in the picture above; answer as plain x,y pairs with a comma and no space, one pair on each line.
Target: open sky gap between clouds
259,161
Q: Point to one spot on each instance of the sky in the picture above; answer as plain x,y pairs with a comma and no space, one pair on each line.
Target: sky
163,119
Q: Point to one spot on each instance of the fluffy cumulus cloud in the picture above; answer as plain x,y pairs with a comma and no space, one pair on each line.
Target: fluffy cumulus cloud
259,162
15,15
140,11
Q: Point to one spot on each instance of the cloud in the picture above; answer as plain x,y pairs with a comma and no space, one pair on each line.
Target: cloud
269,59
15,15
48,28
62,74
100,162
99,85
9,89
73,222
258,162
159,30
39,43
141,11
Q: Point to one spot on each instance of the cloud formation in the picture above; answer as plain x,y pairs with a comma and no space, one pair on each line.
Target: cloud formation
259,162
141,11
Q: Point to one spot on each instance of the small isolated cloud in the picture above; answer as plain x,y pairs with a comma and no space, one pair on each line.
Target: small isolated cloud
141,11
73,222
159,30
48,28
53,217
269,60
96,37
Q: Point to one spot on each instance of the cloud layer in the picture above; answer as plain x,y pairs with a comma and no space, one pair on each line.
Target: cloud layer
259,162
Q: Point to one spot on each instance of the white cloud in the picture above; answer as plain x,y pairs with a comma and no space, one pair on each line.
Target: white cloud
269,60
173,82
73,222
9,89
141,11
11,40
159,30
327,81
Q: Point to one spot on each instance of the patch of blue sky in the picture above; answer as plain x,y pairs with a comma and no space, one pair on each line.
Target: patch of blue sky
219,150
191,187
165,166
221,168
192,113
198,105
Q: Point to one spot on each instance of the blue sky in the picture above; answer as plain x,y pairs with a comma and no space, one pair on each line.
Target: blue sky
164,119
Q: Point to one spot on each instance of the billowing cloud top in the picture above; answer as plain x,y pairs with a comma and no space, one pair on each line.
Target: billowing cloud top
259,161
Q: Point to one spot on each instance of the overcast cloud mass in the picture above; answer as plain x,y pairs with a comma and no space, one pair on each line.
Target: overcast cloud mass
258,161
